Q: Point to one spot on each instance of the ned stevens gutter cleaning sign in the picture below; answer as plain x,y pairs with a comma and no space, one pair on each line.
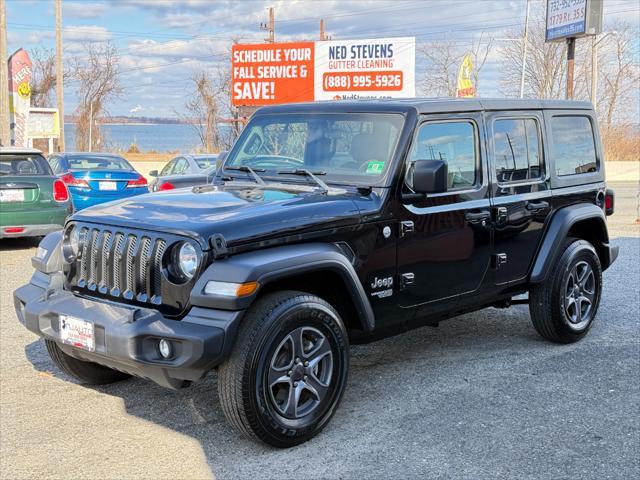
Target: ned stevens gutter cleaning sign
267,74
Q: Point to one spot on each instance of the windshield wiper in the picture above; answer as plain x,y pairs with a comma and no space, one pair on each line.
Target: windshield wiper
250,171
303,172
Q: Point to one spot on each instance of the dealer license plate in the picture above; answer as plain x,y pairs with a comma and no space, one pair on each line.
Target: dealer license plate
77,332
12,195
108,186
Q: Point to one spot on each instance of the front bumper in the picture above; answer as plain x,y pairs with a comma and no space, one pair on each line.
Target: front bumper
126,338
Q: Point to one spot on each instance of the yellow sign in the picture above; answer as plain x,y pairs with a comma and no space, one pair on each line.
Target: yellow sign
24,90
465,85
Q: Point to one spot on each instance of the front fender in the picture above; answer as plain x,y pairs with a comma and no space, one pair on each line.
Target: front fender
264,266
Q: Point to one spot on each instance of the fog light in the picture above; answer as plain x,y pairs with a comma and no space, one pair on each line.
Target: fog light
165,348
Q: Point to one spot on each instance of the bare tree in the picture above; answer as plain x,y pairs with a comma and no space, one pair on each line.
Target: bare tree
443,58
98,77
545,68
620,74
43,77
202,110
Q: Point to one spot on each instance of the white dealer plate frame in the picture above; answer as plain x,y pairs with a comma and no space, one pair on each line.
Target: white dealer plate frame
77,333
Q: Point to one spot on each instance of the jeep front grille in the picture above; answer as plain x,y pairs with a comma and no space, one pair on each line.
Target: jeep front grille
120,264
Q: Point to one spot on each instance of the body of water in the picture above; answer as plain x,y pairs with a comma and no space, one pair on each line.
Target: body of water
163,137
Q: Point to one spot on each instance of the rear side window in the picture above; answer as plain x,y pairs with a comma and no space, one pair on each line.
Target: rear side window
206,162
517,150
18,165
573,145
455,144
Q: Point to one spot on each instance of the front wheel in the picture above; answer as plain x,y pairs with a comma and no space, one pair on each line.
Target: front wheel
564,307
288,370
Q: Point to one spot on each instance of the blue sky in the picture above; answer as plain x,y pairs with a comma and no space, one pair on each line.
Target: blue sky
162,42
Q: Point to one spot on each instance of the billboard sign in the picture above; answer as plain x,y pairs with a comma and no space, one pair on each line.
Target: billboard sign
272,73
376,68
573,18
275,73
44,123
19,96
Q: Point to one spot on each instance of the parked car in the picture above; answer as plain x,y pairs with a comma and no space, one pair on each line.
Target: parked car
94,178
33,202
186,171
357,221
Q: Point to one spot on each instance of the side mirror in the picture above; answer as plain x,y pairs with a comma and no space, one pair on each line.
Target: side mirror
153,173
430,176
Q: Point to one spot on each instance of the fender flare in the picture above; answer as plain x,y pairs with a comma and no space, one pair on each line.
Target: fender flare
557,232
268,265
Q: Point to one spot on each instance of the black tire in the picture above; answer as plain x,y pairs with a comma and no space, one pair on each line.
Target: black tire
254,399
87,373
562,311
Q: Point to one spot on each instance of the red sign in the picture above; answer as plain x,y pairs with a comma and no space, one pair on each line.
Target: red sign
272,73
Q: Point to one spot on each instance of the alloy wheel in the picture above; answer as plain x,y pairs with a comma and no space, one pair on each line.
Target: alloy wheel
300,373
580,295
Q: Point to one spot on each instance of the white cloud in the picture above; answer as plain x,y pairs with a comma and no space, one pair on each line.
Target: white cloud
136,109
85,33
83,9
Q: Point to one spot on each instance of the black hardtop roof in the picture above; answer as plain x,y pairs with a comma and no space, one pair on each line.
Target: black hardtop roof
426,105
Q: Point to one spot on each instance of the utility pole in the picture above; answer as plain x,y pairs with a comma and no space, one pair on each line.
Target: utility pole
5,134
59,75
525,44
270,27
594,65
571,53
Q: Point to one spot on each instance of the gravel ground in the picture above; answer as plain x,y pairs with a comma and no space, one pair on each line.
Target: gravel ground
482,396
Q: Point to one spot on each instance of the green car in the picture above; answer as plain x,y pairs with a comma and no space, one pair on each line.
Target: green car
33,202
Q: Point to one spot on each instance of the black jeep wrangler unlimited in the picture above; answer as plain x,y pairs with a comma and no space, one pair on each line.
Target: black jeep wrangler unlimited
330,223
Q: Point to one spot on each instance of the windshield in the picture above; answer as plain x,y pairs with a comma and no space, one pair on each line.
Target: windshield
98,163
347,147
24,165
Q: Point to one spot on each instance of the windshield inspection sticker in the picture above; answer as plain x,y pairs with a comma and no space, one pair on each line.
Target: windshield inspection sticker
374,168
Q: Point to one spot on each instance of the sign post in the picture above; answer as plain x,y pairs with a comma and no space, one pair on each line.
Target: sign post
571,19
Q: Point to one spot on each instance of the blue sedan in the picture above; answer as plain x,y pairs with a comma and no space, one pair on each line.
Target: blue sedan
94,178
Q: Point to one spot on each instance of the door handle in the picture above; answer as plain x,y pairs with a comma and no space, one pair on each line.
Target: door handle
537,205
477,217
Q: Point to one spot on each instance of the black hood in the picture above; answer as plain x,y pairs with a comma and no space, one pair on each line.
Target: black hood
240,212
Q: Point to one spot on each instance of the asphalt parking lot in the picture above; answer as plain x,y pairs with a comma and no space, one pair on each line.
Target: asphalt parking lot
482,396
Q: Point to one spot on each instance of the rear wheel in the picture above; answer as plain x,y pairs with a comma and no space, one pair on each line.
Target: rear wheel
564,307
88,373
288,370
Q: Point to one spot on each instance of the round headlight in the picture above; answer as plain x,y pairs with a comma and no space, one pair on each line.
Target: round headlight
187,260
71,244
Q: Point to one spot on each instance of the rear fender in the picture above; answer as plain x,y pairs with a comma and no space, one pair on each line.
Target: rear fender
586,221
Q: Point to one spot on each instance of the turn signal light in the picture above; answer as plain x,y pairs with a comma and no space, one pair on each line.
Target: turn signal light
228,289
13,229
138,182
60,192
166,186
